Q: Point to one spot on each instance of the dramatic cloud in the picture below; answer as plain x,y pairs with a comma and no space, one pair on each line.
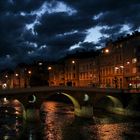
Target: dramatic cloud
48,29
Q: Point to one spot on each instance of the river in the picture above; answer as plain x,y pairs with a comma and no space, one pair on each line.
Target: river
59,123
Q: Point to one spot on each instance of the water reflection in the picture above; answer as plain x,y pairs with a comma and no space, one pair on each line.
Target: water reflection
11,120
59,123
55,116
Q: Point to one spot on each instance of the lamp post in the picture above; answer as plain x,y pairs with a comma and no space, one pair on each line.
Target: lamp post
29,77
105,51
51,76
74,73
17,76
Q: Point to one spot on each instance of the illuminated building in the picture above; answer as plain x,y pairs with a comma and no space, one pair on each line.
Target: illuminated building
119,65
116,66
72,72
56,75
88,72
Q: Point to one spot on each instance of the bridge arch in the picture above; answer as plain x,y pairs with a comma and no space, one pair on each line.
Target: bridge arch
80,110
108,102
74,101
68,96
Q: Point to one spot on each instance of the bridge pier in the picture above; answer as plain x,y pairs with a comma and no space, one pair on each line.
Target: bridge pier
84,111
32,114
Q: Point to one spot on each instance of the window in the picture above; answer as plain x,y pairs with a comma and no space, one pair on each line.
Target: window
134,70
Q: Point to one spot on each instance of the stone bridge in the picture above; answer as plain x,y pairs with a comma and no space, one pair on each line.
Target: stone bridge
84,99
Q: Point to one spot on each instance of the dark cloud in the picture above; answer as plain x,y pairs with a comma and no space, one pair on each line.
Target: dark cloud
59,23
55,32
89,46
16,6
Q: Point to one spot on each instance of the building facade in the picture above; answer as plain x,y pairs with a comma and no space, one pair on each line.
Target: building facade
117,65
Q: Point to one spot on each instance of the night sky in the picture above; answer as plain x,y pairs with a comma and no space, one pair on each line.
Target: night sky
49,29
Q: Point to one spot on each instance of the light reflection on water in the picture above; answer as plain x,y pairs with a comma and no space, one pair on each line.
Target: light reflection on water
56,116
59,123
11,121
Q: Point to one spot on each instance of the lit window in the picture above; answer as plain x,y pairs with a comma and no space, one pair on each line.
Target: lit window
116,68
4,86
122,67
134,70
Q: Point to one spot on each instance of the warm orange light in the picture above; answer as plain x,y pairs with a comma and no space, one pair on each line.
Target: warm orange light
17,74
29,72
73,62
106,50
128,62
122,67
49,68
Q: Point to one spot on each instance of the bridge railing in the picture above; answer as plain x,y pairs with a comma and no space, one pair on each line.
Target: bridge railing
64,88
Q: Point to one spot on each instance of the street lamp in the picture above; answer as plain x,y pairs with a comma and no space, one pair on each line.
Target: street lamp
29,76
49,68
73,62
29,72
106,51
17,75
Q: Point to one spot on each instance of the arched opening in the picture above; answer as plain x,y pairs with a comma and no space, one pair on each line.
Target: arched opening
74,101
109,102
63,98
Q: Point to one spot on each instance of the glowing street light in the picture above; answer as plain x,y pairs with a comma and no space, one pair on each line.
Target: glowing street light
106,50
49,68
16,74
128,62
122,67
73,62
40,63
29,72
4,86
